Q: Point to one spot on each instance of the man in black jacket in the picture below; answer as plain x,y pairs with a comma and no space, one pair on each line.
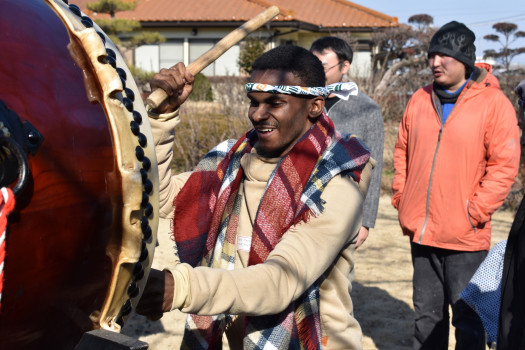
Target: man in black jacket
511,333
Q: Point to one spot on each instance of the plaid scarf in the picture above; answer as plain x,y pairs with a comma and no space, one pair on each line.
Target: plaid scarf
207,213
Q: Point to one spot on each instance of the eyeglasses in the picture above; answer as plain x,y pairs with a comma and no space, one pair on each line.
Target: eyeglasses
327,69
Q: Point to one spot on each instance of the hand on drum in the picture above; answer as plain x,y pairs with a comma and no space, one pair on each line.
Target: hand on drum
157,297
177,82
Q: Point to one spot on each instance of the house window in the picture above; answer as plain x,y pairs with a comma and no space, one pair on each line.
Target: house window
147,58
361,64
171,52
197,48
226,64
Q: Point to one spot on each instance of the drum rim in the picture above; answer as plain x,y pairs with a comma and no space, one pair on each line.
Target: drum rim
130,129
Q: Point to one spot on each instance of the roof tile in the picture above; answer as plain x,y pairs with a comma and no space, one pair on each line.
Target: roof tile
322,13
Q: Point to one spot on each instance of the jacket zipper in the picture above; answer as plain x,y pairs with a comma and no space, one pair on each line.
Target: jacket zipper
430,183
468,216
440,115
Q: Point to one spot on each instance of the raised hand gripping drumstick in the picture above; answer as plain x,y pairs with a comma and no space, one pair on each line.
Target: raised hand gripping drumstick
159,95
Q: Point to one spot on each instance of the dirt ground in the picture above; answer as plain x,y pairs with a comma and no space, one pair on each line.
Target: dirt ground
382,290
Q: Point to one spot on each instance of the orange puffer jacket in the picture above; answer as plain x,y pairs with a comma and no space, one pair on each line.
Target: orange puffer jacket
450,178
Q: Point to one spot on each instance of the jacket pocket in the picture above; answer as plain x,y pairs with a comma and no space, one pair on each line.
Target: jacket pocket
468,217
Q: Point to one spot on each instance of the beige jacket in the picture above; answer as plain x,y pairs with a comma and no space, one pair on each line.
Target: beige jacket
323,246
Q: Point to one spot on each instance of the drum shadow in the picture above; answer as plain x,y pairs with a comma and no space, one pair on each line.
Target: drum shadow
386,320
139,326
165,333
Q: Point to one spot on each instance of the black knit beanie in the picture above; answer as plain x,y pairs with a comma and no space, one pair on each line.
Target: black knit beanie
454,39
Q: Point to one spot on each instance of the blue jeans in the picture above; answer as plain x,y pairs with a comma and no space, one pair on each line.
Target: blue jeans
439,276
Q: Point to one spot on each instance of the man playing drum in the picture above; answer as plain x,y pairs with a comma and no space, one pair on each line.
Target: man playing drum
265,225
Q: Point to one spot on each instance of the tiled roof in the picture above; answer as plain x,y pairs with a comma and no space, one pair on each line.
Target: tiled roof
321,13
335,13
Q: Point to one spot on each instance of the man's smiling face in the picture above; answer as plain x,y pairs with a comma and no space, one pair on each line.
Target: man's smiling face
280,119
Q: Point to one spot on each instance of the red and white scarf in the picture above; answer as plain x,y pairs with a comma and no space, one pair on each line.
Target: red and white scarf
207,214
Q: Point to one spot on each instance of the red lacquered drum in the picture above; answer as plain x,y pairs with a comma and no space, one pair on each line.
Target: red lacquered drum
81,238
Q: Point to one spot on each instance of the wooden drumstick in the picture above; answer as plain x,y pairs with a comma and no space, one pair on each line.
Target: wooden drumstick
158,96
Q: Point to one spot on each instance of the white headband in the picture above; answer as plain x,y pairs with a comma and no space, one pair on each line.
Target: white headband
341,90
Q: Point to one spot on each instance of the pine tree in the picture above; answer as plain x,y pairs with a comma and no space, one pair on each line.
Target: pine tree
251,48
125,33
510,34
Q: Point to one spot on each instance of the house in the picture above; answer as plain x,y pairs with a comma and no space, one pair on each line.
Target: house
193,27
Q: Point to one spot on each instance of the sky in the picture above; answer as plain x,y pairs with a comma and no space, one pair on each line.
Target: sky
478,15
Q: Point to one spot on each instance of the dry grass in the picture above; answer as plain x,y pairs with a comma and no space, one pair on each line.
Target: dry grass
203,126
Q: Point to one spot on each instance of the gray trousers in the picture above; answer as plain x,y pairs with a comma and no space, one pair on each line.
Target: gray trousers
439,276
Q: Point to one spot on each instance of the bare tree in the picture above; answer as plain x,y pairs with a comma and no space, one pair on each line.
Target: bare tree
399,64
402,51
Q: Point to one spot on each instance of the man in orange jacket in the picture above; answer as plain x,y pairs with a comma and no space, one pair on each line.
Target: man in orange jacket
456,157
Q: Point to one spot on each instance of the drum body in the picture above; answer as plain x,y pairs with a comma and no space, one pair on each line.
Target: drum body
81,238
